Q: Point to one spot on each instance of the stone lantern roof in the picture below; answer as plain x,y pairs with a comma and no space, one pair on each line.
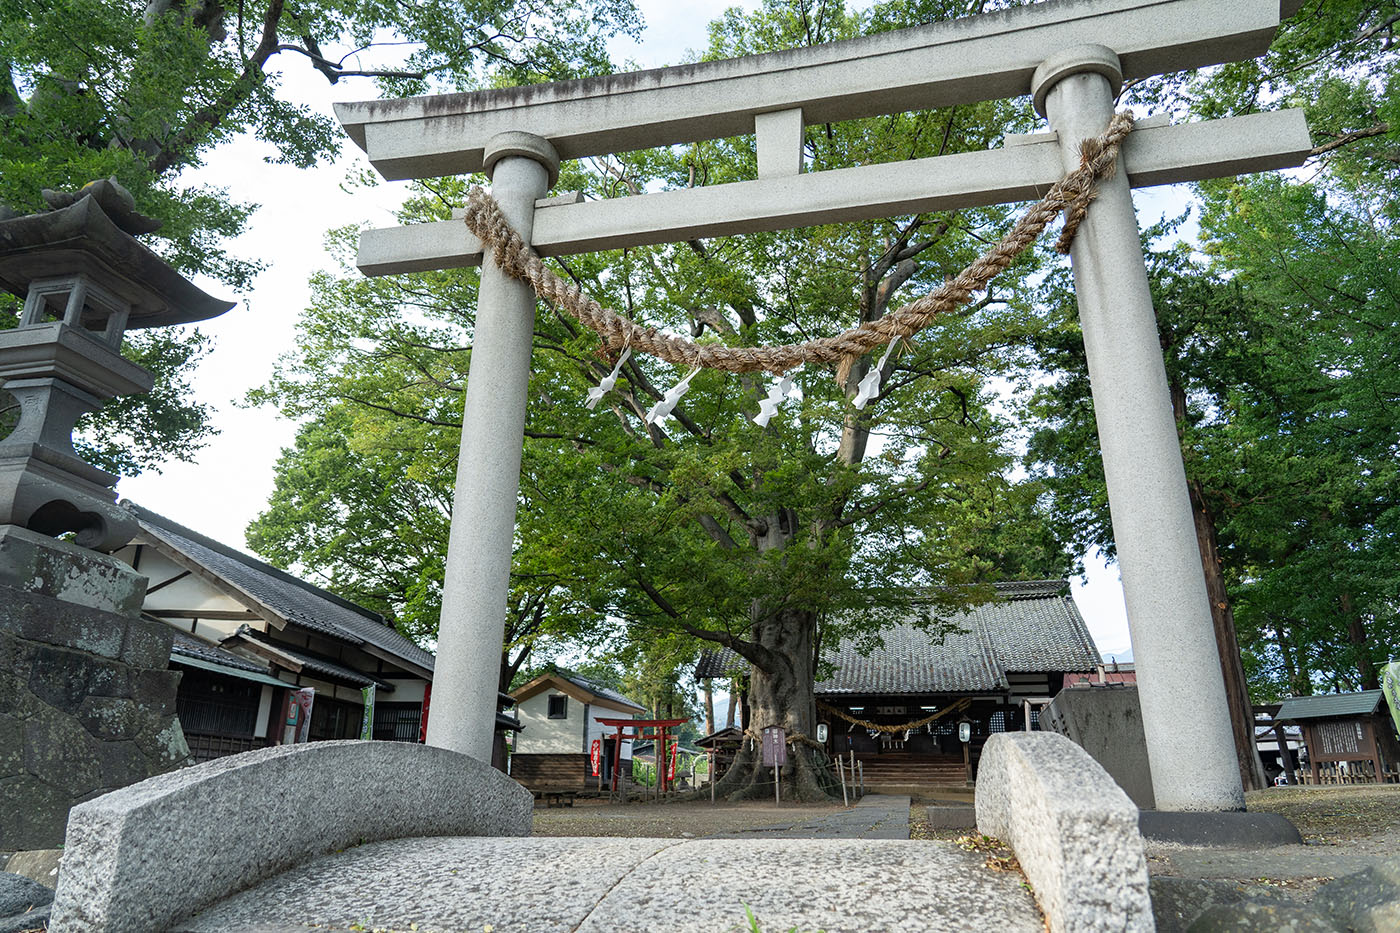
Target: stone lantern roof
81,238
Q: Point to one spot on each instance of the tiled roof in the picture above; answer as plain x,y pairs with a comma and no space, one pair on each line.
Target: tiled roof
911,662
597,689
719,662
313,662
295,600
1032,627
727,735
192,647
1330,705
1036,630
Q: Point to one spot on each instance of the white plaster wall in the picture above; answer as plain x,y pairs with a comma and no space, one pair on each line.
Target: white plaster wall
543,735
323,688
405,691
264,712
217,629
191,592
596,730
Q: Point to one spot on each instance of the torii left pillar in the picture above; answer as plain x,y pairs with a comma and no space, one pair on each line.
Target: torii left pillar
476,580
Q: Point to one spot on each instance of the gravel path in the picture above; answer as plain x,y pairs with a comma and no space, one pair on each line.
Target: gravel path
671,820
876,816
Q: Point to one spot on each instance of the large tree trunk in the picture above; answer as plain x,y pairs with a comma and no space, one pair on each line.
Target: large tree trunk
709,707
1356,635
782,696
1299,678
1227,645
780,691
729,717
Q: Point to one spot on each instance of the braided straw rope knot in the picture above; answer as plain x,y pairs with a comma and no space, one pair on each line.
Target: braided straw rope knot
1070,195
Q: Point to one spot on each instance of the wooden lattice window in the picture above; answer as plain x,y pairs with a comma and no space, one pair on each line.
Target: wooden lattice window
397,722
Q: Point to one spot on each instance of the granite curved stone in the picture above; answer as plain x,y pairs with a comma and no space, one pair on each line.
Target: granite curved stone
145,857
1074,831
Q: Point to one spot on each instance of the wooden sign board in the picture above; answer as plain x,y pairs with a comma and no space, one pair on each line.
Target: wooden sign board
774,747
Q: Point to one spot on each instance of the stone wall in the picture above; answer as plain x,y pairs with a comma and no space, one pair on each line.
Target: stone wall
87,705
1107,723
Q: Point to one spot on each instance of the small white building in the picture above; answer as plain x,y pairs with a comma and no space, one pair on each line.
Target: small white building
560,713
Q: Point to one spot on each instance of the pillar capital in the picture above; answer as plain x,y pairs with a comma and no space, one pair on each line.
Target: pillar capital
518,143
1078,59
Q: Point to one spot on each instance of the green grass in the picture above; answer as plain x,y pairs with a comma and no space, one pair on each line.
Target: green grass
755,928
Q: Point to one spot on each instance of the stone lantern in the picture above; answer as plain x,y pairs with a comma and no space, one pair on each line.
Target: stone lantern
87,700
85,280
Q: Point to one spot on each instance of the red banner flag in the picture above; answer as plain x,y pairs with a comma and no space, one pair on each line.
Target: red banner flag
423,719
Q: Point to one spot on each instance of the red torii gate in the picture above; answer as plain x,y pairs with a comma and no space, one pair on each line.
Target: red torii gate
661,726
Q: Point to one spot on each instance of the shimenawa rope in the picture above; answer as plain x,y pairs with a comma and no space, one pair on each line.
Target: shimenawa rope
960,705
1071,195
882,727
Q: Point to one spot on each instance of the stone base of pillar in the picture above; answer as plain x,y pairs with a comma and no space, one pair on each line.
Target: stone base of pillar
87,702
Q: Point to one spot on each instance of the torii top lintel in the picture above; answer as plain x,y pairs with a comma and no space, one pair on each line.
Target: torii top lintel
984,57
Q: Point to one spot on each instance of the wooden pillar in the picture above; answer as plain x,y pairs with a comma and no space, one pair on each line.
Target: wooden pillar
1374,737
1284,755
660,761
617,760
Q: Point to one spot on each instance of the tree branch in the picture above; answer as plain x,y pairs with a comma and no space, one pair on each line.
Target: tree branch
335,72
390,410
1343,139
756,654
206,119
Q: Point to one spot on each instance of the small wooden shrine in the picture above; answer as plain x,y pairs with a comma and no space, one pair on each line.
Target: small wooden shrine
1349,737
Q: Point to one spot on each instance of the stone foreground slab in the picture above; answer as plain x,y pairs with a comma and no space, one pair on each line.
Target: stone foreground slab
611,885
1073,830
142,858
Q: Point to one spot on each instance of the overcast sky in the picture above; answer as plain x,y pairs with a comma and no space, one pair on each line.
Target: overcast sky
232,478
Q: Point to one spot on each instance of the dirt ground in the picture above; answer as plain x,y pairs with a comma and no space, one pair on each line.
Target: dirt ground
1364,818
1361,819
1344,828
673,820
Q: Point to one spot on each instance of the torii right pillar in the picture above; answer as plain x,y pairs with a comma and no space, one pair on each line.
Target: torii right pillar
1184,712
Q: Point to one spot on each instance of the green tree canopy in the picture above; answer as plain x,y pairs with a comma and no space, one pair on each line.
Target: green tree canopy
141,91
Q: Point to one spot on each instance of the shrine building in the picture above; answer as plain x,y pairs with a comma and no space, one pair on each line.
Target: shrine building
997,665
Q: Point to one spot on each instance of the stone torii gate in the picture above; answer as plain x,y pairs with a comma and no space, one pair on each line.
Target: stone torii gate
1072,56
